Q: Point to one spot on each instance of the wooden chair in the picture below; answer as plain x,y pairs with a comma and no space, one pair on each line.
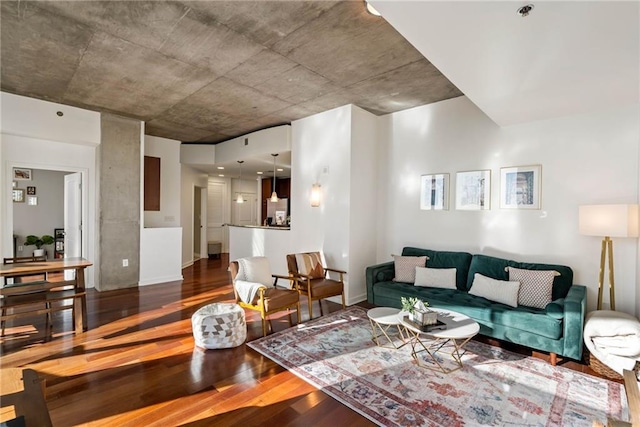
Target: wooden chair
268,300
312,279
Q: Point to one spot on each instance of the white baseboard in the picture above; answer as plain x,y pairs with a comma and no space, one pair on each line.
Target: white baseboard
158,280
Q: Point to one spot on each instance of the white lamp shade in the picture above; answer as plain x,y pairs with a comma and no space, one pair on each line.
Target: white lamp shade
240,199
274,197
608,220
315,195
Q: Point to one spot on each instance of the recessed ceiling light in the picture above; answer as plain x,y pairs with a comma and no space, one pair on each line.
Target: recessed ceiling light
221,175
372,10
220,167
259,173
280,169
59,113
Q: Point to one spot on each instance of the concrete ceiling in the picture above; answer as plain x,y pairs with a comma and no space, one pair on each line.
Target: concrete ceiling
207,71
566,57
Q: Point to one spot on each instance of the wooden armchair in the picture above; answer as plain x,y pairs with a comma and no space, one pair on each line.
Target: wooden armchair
312,279
267,300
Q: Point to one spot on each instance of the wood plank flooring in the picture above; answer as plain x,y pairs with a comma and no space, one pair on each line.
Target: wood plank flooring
137,365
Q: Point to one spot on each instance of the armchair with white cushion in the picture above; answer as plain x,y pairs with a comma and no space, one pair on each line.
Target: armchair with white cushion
253,289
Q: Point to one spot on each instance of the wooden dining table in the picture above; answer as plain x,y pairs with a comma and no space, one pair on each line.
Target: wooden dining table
35,268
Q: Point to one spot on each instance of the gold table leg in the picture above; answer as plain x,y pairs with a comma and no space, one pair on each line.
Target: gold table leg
435,346
375,335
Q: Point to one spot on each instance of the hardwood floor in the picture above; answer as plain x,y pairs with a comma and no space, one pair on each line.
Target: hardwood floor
137,365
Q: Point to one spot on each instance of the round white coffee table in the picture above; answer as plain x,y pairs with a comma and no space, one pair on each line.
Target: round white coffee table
382,319
459,330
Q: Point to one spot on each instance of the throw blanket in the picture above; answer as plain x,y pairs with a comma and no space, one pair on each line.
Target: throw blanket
614,338
247,291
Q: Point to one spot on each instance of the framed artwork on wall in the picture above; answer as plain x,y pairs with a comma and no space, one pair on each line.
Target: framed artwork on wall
32,200
18,195
434,192
20,174
473,190
31,191
520,187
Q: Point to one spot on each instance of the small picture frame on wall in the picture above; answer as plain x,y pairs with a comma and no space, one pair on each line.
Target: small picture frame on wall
520,187
18,195
473,190
31,191
434,192
20,174
32,200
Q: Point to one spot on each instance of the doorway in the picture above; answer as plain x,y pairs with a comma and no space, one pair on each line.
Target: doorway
199,224
47,208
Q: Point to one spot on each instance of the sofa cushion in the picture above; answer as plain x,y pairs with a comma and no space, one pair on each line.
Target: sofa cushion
405,267
443,259
310,264
535,286
495,268
436,277
501,291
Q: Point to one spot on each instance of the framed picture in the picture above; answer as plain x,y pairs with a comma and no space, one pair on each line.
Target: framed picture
14,184
31,191
520,187
473,190
20,174
434,192
18,195
32,200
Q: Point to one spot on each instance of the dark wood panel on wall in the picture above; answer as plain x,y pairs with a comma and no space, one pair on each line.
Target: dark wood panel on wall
151,183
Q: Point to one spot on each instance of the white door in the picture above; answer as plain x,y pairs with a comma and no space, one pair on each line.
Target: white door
216,217
72,219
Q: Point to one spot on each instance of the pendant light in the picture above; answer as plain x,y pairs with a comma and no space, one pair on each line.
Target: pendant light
274,195
240,199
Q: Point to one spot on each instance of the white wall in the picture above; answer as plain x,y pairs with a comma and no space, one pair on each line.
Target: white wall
587,159
365,139
44,217
190,179
320,153
35,118
168,150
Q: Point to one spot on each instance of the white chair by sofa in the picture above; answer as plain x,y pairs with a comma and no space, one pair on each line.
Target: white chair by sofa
613,337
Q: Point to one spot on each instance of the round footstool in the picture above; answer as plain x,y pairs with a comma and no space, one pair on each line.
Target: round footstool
219,325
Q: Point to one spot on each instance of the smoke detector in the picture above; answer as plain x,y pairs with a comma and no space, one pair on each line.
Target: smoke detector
525,10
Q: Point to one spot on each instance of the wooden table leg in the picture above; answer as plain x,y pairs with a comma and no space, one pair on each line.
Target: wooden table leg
80,304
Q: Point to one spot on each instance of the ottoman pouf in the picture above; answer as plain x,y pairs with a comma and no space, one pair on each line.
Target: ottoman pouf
219,325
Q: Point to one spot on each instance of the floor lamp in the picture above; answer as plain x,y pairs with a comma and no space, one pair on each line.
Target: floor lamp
608,221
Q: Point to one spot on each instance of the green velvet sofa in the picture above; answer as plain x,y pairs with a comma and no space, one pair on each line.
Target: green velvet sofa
557,329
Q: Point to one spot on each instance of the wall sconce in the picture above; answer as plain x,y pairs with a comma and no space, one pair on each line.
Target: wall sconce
315,195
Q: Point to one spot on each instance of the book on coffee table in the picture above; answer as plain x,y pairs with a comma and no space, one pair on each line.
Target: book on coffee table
438,326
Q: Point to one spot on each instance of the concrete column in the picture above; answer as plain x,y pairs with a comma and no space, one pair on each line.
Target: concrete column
119,202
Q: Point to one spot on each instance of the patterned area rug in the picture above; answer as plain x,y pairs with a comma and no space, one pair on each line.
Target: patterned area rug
498,388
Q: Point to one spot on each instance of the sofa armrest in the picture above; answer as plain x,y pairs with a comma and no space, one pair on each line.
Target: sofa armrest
575,306
378,273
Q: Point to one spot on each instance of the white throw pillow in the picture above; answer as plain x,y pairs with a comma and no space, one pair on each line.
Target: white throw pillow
405,267
436,277
536,286
495,290
254,269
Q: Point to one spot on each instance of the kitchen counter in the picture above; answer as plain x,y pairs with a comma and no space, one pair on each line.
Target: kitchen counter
266,227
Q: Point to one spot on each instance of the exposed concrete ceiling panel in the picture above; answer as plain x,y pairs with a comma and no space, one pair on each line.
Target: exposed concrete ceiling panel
126,77
39,63
208,71
348,53
264,21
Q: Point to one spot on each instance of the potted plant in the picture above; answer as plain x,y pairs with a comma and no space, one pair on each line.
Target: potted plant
418,311
38,242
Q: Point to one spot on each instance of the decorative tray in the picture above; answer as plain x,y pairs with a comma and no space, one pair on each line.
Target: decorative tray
438,326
